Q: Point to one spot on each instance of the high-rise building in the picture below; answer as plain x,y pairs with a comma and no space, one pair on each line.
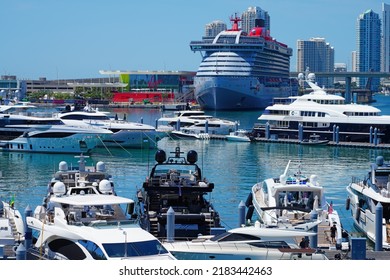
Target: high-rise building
253,16
339,68
214,28
317,55
353,65
385,52
368,44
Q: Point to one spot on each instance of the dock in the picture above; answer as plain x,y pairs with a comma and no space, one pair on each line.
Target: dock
330,143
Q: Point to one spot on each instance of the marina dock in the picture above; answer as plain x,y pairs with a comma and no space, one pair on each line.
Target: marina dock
330,143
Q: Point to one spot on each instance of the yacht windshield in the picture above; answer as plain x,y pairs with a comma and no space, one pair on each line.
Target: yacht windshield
134,249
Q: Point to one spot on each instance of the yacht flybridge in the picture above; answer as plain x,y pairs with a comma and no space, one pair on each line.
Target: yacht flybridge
82,218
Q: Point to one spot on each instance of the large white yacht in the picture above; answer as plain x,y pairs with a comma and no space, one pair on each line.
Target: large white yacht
24,133
323,114
124,133
194,122
82,218
365,194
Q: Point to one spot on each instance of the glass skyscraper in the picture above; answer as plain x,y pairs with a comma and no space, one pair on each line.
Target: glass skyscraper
385,65
368,54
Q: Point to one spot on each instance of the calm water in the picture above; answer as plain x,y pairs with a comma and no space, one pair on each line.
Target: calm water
233,167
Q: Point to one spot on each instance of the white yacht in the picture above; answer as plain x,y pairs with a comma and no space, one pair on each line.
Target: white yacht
124,133
49,135
82,218
194,123
364,196
239,135
169,122
325,115
247,243
291,199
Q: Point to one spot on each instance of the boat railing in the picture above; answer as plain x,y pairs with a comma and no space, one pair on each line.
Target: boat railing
367,183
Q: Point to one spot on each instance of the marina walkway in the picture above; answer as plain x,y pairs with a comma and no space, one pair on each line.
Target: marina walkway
331,143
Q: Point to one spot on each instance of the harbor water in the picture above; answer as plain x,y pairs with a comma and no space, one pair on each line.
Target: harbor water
233,167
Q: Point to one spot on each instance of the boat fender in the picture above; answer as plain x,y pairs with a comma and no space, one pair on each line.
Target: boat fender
249,201
347,203
249,214
357,214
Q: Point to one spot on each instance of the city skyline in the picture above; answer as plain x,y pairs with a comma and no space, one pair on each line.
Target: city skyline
76,39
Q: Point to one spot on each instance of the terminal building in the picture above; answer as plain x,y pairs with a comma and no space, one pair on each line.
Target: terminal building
11,88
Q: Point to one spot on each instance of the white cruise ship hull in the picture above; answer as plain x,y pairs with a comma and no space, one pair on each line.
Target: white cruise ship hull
236,93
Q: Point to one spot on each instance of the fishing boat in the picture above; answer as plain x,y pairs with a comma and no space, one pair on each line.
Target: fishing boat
367,198
314,140
177,182
193,122
247,243
240,135
82,218
293,199
26,133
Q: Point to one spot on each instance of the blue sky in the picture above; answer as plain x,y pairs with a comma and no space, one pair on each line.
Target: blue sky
77,38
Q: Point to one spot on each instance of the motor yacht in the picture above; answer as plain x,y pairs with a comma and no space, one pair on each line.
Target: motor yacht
365,195
82,218
324,114
293,199
195,122
247,243
125,134
177,182
49,135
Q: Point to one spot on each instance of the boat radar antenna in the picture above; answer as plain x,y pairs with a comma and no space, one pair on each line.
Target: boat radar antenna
235,22
82,162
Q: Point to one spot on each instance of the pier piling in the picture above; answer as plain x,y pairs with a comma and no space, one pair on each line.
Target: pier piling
241,213
170,225
378,227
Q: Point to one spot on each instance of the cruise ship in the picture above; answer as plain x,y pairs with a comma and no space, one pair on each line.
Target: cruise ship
242,71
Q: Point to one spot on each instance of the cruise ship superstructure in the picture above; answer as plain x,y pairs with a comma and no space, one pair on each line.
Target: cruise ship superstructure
242,71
